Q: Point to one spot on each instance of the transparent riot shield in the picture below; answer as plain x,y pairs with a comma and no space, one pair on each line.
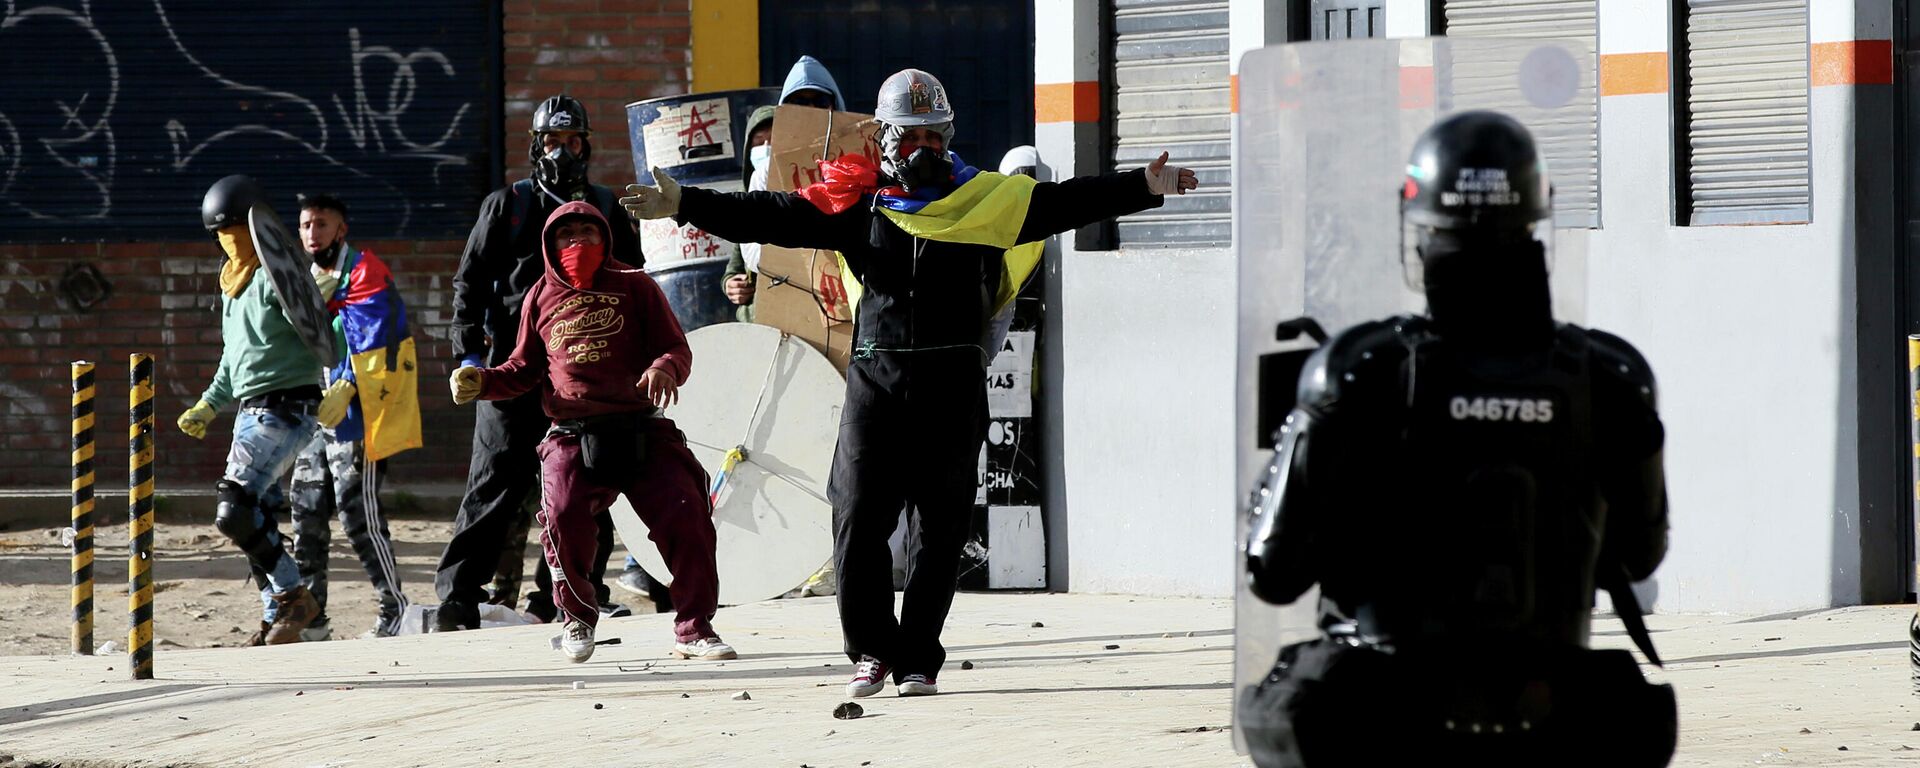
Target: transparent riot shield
1322,141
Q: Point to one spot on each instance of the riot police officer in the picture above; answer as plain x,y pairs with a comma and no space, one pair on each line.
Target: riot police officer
1459,484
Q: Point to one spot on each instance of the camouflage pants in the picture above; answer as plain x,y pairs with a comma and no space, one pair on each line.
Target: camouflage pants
335,478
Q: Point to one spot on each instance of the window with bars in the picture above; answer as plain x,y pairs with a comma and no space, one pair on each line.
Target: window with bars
1742,146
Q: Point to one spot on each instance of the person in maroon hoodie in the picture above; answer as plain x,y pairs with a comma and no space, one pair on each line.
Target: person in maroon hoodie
600,341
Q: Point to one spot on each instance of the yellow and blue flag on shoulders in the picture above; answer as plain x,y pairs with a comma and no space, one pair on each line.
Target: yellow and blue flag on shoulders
370,320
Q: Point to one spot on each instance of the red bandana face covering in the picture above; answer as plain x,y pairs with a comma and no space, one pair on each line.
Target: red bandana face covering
578,262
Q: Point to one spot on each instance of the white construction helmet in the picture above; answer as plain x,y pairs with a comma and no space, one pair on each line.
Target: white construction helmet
911,98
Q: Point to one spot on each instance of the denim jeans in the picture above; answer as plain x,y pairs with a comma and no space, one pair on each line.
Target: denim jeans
265,444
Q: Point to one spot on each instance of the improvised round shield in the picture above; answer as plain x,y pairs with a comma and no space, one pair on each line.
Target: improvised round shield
761,413
1323,137
290,270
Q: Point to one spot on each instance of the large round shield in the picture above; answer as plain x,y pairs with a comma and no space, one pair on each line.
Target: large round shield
1321,148
776,401
290,270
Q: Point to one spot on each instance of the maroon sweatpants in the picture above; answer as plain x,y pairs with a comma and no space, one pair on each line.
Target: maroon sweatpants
667,489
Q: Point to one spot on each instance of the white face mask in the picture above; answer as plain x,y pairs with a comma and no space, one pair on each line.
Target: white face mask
759,156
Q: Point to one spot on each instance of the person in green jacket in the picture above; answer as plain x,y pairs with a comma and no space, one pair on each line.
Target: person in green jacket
266,367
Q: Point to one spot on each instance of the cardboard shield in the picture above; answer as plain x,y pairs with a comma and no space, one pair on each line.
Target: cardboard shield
1323,134
290,269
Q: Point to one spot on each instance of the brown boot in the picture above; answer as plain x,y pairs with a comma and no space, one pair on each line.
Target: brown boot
258,638
297,610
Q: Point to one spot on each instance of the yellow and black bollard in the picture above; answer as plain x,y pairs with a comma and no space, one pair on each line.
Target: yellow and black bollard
83,508
1913,403
140,514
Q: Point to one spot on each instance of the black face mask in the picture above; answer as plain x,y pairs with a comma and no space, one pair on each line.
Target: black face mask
926,167
1489,294
328,256
561,171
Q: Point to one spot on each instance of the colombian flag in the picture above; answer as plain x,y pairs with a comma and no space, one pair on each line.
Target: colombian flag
984,209
371,320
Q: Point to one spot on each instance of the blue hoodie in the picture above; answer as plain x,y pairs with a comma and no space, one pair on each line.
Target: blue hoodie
808,72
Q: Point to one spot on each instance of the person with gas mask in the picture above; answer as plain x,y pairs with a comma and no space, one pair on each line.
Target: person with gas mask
600,348
1522,460
934,247
342,468
501,263
275,375
808,84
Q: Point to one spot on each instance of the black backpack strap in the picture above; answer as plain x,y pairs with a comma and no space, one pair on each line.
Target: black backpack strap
1626,605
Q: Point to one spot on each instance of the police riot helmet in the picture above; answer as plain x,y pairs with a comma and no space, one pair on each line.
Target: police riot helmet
560,169
911,98
229,200
1474,177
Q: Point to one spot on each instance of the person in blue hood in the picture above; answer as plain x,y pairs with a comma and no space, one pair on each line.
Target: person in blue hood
808,84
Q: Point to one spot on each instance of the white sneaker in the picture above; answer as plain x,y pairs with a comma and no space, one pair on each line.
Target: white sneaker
917,685
577,641
704,649
869,678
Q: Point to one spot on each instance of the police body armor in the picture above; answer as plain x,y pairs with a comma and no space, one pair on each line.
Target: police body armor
1447,503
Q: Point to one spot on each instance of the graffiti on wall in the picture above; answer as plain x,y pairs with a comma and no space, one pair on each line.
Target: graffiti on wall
117,115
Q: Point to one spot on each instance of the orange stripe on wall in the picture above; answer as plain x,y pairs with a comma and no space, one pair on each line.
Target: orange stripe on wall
1077,102
1853,62
1627,74
1416,87
1233,94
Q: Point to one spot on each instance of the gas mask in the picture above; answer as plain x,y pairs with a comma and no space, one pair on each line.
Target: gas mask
926,167
561,171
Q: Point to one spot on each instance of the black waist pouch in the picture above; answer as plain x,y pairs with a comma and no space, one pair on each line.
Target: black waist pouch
611,447
1330,702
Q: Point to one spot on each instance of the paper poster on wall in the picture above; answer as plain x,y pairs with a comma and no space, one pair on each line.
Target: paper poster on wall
664,242
1010,378
1016,548
690,133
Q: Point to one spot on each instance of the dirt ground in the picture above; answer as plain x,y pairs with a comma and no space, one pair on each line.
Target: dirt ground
203,598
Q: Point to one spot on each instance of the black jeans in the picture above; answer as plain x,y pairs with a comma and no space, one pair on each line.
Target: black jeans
910,436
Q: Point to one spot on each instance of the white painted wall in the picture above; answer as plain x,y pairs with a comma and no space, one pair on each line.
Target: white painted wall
1750,331
1149,398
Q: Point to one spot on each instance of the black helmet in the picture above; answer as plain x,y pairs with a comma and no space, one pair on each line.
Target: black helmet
1476,171
560,171
228,201
560,113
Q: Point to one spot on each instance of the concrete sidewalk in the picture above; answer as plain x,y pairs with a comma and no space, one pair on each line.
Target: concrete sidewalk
1107,681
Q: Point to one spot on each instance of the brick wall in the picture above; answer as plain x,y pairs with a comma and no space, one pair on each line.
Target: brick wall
606,53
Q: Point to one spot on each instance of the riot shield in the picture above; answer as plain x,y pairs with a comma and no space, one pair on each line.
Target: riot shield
290,269
1323,134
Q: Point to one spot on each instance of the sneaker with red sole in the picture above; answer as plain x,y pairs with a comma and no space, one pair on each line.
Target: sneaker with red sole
869,678
917,685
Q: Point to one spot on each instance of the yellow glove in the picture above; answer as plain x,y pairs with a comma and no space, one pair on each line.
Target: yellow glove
333,403
194,422
465,384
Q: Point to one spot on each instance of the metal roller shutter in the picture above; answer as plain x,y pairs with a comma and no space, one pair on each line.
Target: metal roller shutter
1170,93
1570,140
117,116
1747,152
